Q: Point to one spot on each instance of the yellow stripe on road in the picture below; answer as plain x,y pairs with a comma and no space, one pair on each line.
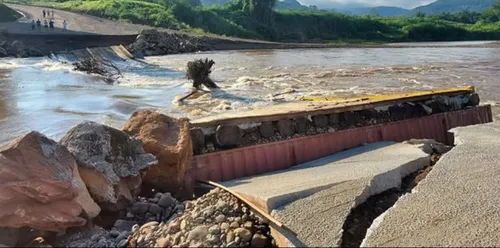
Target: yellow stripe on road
457,90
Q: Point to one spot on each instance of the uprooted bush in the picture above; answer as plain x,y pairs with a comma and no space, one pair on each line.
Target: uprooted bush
99,66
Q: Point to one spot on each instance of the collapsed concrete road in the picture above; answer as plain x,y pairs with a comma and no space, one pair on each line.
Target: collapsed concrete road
457,205
314,199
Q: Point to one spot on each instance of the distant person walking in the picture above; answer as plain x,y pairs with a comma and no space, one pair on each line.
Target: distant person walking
52,13
65,25
45,23
39,24
51,24
33,24
43,12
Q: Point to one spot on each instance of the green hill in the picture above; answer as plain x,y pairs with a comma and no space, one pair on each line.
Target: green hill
290,5
381,11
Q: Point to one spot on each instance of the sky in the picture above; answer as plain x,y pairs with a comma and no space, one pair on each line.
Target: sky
399,3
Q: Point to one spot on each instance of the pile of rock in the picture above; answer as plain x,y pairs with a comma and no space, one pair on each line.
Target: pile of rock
18,49
145,212
215,219
151,43
161,208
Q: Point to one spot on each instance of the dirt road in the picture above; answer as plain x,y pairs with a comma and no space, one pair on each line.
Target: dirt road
77,23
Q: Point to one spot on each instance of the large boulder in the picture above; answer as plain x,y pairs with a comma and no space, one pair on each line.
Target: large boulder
169,140
41,186
110,162
17,49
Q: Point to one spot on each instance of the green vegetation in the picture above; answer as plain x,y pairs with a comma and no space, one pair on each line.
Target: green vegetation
257,19
7,14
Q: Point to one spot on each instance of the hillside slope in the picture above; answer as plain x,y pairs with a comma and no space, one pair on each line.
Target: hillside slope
290,5
381,11
280,4
453,6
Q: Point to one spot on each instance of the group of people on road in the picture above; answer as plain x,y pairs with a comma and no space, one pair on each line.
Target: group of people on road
48,13
47,24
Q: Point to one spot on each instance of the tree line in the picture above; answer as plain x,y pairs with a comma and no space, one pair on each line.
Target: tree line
257,19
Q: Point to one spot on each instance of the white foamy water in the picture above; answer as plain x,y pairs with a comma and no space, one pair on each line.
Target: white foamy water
47,96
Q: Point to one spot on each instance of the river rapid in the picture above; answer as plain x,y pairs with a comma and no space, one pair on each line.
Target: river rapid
49,97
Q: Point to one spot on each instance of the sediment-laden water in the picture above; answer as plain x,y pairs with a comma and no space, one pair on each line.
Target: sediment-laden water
47,96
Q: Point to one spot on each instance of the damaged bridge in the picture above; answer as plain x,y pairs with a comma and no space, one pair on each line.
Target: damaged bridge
358,172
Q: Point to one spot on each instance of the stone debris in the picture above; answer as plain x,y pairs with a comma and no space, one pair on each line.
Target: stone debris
146,210
153,43
215,219
109,161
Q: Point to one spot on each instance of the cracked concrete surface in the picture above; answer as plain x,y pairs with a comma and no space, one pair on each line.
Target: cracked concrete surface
456,205
315,198
319,218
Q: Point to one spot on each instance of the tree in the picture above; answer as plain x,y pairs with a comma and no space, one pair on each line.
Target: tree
493,13
194,3
374,13
420,14
260,9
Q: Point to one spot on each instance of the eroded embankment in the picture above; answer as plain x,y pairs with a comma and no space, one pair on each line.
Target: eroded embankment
361,217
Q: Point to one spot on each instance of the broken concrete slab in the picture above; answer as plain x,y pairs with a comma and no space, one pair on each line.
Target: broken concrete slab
319,218
390,159
457,205
314,199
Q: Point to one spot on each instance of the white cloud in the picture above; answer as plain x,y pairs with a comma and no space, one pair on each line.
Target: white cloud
398,3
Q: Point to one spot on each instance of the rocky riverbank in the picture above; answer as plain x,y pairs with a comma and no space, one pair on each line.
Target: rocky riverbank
89,190
18,49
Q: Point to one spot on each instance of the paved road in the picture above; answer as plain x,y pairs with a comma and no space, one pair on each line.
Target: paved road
456,205
77,23
315,198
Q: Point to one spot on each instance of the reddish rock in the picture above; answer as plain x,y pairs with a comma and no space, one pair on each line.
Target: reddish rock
41,186
169,140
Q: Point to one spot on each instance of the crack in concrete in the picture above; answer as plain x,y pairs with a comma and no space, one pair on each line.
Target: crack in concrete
371,209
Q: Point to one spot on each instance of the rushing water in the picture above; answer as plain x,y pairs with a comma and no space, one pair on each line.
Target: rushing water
47,96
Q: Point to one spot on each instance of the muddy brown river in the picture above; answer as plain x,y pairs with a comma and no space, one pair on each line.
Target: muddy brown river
48,96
